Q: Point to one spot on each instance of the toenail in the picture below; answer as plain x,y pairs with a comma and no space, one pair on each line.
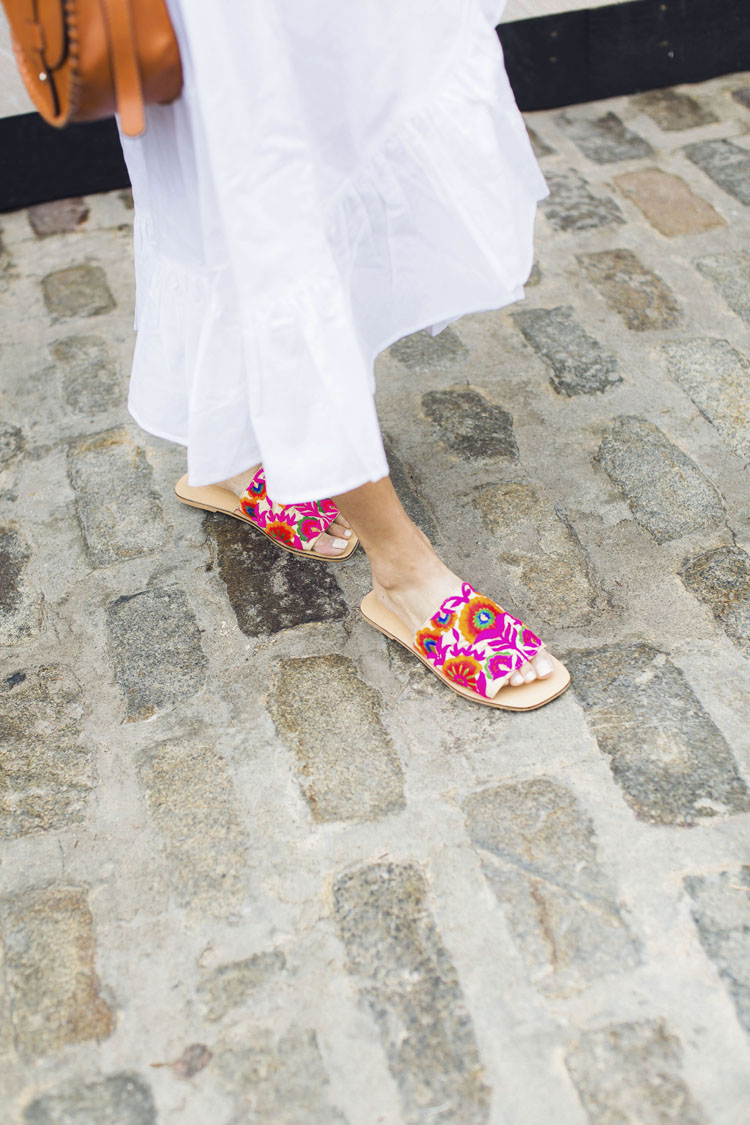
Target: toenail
348,533
543,667
339,544
529,677
516,679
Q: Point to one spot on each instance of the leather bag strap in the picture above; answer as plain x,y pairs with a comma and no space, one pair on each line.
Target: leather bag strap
124,59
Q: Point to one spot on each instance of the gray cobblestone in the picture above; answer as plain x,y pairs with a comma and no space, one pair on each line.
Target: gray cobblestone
578,363
190,795
571,206
669,204
118,509
470,426
641,298
726,163
543,554
123,1099
424,353
631,1072
667,492
539,855
270,591
742,96
80,290
667,755
409,493
57,217
355,775
721,909
230,985
89,375
48,771
48,944
730,274
156,649
605,139
673,111
408,983
12,443
539,145
716,377
279,1082
720,578
20,603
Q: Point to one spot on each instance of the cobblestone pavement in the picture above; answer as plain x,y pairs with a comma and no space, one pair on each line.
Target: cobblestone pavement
258,865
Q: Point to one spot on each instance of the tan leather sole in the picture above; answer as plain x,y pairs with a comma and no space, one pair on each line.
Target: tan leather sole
525,697
211,498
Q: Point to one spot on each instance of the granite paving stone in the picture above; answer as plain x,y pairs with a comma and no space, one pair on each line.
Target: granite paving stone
539,145
118,509
605,139
669,758
742,96
717,378
472,427
540,552
48,946
409,492
726,163
12,443
279,1082
156,651
57,217
539,855
268,589
669,204
123,1099
641,298
571,206
721,910
232,984
47,769
667,492
190,795
423,353
579,364
408,983
79,290
730,274
20,602
355,775
89,376
673,110
632,1072
720,578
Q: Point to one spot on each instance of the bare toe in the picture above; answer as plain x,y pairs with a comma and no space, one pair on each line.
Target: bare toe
339,529
330,545
542,665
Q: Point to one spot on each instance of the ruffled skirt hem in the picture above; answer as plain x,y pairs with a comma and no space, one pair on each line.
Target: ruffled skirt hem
437,223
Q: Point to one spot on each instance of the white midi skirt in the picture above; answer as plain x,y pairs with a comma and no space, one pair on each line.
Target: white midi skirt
335,176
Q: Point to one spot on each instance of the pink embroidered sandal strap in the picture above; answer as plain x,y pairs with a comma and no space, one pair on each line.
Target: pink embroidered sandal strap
296,525
474,643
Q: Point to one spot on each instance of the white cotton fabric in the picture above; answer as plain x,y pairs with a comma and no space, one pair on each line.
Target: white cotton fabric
336,175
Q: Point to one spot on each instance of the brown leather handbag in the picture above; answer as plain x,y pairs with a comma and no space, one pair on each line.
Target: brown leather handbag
81,60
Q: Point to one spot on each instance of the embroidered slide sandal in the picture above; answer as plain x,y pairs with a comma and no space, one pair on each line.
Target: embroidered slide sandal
294,527
474,646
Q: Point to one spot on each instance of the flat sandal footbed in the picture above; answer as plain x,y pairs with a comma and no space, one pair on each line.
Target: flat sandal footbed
212,498
525,697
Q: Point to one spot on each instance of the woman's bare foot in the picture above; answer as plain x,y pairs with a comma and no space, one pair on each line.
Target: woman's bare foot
332,542
407,575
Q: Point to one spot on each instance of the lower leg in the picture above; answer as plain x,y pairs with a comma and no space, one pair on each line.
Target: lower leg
407,575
